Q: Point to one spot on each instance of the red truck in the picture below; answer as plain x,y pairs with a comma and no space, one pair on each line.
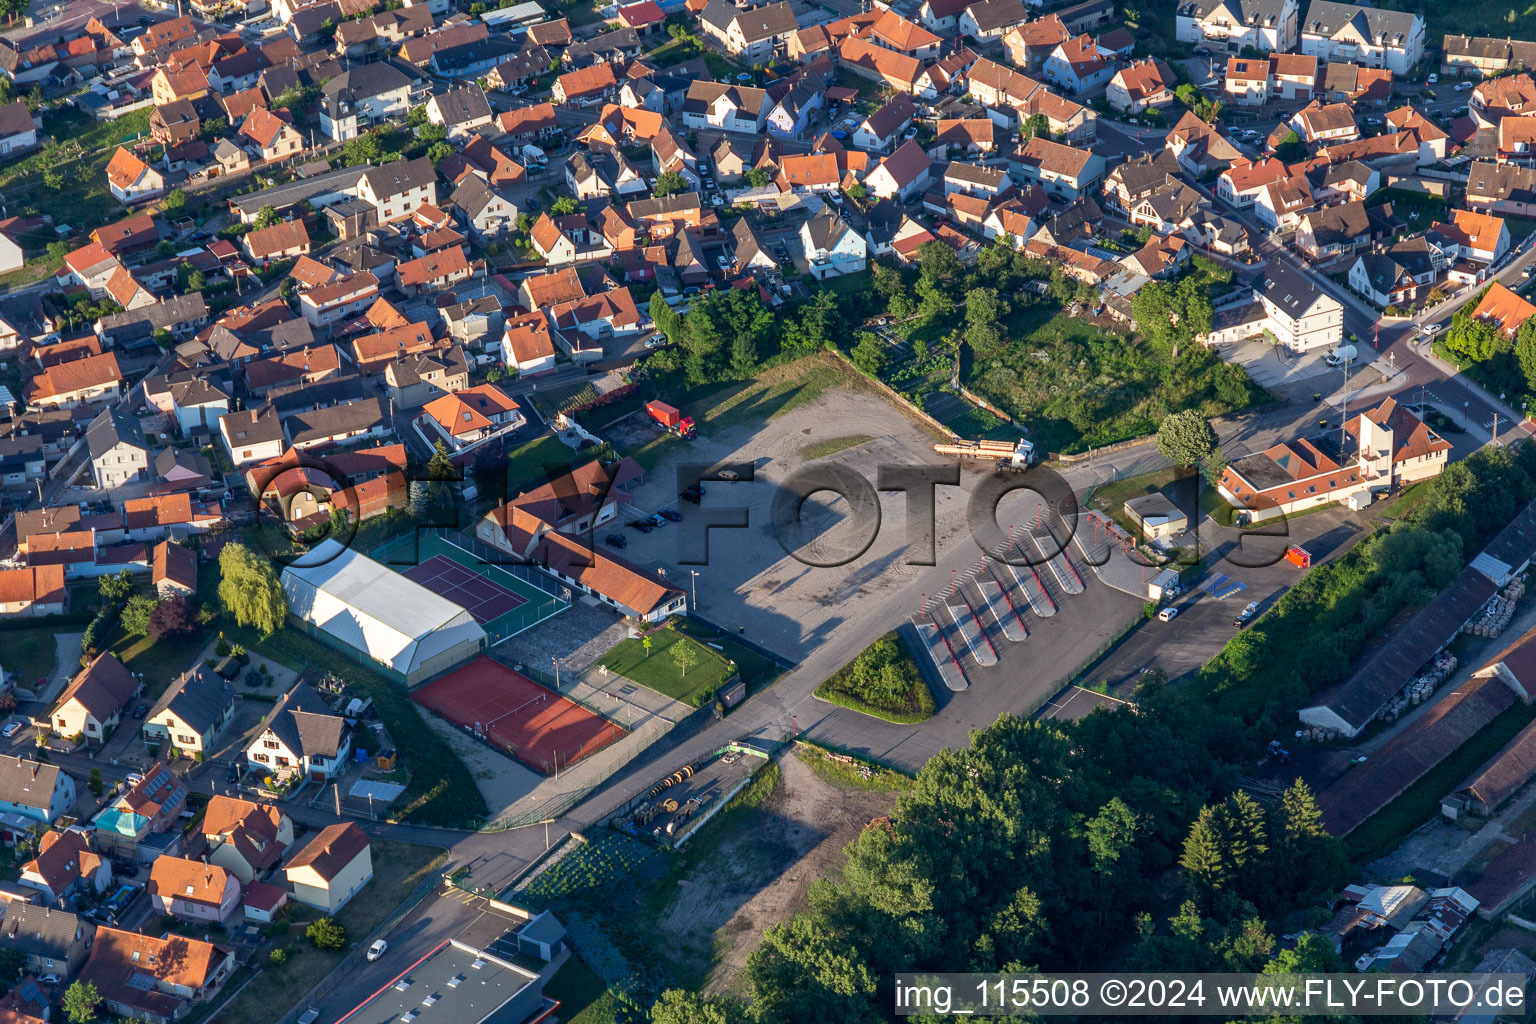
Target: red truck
670,418
1301,558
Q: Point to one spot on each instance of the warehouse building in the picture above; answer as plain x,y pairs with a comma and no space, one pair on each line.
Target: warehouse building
360,607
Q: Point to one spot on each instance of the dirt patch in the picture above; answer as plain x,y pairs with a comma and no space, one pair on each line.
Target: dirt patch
758,876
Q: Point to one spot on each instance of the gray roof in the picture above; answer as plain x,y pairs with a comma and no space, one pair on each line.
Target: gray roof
111,428
253,426
40,932
306,724
25,783
826,228
463,105
757,24
366,80
180,309
494,980
473,195
618,42
1287,288
1324,17
317,424
401,176
1244,12
199,698
748,243
284,196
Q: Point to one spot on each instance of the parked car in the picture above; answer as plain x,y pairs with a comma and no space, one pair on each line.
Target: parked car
11,729
1167,614
141,711
616,540
640,524
1432,79
1246,615
50,979
671,514
377,949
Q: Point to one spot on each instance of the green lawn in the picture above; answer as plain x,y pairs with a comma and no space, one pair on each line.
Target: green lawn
397,868
756,670
160,662
883,682
658,668
528,465
1417,209
30,653
1421,801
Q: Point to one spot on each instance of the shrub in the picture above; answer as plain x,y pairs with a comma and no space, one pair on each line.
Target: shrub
326,933
882,681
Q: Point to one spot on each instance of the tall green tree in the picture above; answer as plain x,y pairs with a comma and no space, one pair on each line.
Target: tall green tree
249,589
80,1002
1185,438
440,466
1205,854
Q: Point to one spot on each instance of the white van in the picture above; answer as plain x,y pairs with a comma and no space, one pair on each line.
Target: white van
1341,355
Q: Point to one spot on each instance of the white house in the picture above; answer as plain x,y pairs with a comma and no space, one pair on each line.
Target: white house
301,736
1301,315
331,868
35,790
131,179
1234,24
832,247
1374,37
902,175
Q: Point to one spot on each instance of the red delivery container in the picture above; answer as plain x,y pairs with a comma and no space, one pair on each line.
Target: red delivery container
664,414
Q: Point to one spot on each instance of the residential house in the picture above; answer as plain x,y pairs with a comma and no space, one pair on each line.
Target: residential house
345,423
1247,81
340,300
53,941
245,838
191,890
65,864
1320,124
287,239
1302,316
463,418
18,131
1485,55
791,114
269,136
1371,36
1503,308
252,435
93,702
1141,85
833,248
193,712
302,736
752,34
119,454
732,108
142,822
990,20
1029,44
131,180
486,212
42,792
902,175
157,980
331,868
1079,64
1472,235
1232,25
1063,171
397,190
585,86
173,568
463,111
1502,188
1333,231
1200,148
527,345
363,96
1395,275
881,130
33,590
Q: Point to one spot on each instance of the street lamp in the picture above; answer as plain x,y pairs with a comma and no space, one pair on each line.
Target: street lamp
695,574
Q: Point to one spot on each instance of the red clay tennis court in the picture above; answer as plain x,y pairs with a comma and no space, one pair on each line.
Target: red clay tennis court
512,712
483,598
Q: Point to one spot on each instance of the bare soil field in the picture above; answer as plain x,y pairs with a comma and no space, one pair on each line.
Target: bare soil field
757,875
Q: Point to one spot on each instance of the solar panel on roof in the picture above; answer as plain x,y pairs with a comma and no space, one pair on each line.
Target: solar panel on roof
140,981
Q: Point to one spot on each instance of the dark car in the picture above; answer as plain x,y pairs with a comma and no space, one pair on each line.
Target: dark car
615,540
141,711
657,520
672,514
693,497
234,773
641,525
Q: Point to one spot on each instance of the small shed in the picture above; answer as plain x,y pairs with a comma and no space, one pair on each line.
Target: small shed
543,937
1157,517
263,900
